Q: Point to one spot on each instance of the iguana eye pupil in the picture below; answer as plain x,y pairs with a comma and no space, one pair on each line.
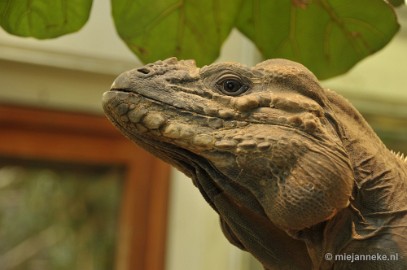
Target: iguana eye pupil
232,87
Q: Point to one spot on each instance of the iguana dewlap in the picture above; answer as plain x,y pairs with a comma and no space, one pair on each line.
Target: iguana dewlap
292,169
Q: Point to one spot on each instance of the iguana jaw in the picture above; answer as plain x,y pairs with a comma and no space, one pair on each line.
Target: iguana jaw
204,175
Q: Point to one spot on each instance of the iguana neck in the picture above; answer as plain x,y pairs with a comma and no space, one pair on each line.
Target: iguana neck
374,166
380,185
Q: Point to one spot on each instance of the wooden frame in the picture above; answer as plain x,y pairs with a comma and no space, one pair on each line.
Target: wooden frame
29,133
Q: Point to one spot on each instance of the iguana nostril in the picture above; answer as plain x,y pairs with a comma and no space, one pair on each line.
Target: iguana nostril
144,70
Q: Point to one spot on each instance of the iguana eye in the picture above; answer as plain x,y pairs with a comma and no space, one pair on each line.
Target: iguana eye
232,87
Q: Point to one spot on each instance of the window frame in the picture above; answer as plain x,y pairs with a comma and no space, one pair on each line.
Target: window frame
80,138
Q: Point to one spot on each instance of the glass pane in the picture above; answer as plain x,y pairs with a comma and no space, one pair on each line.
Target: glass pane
58,217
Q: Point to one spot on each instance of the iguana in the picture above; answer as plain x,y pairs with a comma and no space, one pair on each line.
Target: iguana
297,176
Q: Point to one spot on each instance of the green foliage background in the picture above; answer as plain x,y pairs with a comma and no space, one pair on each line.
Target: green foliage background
327,36
58,218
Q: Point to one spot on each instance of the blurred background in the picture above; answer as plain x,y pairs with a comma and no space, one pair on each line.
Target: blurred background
74,194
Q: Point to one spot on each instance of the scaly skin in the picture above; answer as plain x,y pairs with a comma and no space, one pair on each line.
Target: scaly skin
292,169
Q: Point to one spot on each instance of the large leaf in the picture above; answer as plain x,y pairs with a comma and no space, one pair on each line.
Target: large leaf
329,37
158,29
43,18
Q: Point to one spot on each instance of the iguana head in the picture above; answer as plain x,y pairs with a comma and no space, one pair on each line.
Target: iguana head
262,134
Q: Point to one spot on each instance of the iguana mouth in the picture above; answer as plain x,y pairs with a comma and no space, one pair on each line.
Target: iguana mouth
150,117
165,150
158,102
141,113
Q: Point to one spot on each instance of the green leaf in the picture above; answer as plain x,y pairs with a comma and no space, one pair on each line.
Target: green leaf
158,29
329,37
43,18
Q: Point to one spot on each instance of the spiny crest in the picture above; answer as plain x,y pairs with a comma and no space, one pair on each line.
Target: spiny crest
400,155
